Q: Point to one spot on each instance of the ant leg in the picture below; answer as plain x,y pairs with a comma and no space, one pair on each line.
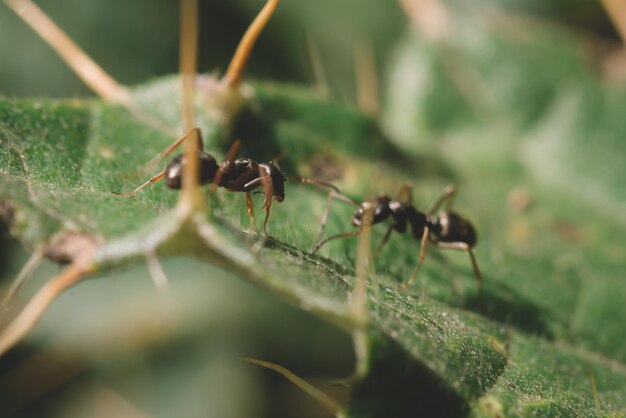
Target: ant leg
329,201
333,237
158,176
420,261
182,139
268,189
153,162
233,150
465,247
256,182
331,195
230,157
384,241
448,194
250,210
334,193
406,193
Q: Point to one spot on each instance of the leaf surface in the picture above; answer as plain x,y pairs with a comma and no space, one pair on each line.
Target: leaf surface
551,275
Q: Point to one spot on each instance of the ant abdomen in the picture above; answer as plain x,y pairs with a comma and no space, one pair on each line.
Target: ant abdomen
174,171
452,227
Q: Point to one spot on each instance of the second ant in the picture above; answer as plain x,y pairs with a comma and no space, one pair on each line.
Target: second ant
446,230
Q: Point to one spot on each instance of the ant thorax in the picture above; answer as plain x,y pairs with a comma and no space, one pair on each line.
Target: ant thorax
379,207
397,206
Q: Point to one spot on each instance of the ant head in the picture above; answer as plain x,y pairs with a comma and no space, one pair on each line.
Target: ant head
380,206
174,171
278,180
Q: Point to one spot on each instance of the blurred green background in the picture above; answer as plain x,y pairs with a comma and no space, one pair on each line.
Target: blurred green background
153,355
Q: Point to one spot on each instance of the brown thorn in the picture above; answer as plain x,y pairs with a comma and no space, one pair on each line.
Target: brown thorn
368,99
616,9
363,258
320,81
188,58
31,314
25,273
237,65
326,401
157,273
188,68
431,17
85,68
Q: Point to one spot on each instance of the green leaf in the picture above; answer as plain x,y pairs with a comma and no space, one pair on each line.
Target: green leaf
61,161
546,201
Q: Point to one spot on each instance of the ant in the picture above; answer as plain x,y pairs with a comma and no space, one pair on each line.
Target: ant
234,174
446,230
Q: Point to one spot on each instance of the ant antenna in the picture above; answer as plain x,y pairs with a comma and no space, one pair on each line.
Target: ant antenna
158,176
334,194
318,183
279,157
234,74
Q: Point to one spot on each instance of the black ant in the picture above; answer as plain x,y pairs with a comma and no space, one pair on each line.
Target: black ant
446,230
237,175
